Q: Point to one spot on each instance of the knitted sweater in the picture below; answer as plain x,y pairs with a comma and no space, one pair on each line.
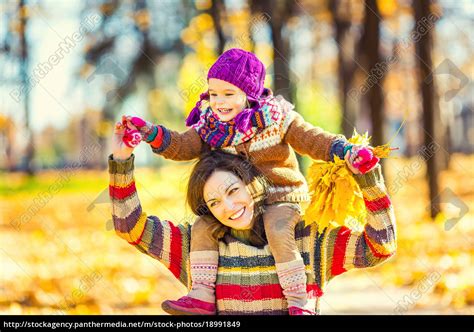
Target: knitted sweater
266,145
247,282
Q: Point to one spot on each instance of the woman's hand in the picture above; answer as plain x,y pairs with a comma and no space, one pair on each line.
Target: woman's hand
120,150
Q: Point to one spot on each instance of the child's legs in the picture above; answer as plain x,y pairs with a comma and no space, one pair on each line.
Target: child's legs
203,235
280,220
204,258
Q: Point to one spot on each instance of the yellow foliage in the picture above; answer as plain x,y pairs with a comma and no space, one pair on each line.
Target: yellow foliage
335,195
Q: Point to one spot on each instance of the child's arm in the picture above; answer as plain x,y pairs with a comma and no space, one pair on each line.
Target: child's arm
168,143
342,249
179,146
313,141
160,239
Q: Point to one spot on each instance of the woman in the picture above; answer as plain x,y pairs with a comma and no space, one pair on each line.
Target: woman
247,282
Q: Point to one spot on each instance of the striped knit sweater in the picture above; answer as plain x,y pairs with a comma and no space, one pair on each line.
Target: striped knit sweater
247,282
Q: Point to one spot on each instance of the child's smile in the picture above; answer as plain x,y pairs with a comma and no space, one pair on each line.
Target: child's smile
226,100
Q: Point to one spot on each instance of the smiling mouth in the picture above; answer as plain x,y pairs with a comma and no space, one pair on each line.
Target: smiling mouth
238,214
224,110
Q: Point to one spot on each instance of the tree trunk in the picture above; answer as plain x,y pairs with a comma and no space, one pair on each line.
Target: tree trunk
346,67
280,12
216,9
429,101
371,42
107,116
24,69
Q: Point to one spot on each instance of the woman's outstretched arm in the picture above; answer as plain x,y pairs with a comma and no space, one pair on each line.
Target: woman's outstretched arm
160,239
342,249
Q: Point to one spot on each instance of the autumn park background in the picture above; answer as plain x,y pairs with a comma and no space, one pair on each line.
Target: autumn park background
400,69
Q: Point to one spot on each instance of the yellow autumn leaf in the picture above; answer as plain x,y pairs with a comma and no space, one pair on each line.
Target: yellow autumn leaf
336,198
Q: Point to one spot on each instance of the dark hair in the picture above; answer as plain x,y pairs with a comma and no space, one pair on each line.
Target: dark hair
243,169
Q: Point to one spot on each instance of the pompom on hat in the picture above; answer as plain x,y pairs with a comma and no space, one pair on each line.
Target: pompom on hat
242,69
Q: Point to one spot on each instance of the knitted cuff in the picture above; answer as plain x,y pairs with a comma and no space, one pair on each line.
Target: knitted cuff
371,178
338,148
121,166
166,140
158,139
149,137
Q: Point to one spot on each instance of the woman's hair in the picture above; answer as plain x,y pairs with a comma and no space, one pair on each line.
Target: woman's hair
212,161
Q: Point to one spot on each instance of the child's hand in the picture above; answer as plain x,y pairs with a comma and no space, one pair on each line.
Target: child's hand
347,158
362,158
145,128
120,150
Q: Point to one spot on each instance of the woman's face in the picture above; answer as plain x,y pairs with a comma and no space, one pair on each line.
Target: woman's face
225,99
228,199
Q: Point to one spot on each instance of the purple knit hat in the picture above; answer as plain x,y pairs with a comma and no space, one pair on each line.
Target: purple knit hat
242,69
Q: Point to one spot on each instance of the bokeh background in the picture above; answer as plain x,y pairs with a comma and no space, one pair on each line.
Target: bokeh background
401,70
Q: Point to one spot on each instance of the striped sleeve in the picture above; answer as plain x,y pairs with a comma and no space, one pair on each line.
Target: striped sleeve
345,249
160,239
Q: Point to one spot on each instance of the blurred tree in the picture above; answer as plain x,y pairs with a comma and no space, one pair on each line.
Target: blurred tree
431,118
341,16
16,49
153,28
7,141
370,43
280,13
24,72
217,11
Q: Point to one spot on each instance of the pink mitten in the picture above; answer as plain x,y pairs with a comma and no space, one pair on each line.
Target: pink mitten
132,138
368,162
148,130
138,122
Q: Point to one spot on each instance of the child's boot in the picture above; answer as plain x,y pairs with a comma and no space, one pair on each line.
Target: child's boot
201,300
292,279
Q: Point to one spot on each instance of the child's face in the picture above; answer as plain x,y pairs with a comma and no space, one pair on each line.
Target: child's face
226,100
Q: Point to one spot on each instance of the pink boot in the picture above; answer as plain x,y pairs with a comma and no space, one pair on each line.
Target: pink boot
188,306
295,311
201,300
292,278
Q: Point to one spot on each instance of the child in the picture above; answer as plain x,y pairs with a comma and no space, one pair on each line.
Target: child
244,118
